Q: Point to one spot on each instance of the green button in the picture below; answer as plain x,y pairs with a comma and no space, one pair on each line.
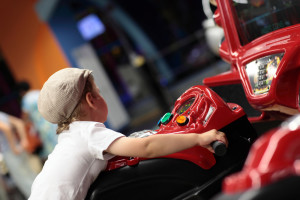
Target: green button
166,118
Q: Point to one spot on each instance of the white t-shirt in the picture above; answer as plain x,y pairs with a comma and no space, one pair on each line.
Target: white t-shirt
75,162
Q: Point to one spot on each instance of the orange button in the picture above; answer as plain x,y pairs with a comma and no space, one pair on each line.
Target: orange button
181,120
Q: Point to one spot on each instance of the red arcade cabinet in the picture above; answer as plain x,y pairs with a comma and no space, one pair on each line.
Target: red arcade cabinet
262,44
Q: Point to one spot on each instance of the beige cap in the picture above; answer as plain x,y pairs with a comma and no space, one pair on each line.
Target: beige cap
61,93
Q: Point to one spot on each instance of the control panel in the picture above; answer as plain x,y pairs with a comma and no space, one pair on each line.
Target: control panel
197,110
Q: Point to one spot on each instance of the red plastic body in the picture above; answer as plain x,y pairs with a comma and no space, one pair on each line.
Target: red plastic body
274,156
208,111
283,95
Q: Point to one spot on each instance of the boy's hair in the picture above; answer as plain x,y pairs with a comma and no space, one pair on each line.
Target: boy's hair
77,111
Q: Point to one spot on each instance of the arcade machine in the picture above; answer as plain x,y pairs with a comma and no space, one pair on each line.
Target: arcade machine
192,172
262,45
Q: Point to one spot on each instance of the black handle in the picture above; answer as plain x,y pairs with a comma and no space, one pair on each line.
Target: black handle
219,148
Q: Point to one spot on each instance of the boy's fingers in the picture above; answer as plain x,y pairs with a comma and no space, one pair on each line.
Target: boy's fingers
210,149
222,137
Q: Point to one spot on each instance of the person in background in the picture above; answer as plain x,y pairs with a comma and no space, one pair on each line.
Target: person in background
31,116
71,99
13,142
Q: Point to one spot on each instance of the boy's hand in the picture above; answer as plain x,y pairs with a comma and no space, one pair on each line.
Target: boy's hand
206,138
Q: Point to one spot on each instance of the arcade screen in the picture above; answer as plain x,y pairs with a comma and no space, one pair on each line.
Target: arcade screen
255,18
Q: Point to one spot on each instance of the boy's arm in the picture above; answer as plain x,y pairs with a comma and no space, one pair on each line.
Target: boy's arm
163,144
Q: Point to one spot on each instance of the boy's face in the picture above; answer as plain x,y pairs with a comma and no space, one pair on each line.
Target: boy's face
101,104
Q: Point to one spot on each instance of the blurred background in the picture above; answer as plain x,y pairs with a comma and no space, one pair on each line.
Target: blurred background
144,55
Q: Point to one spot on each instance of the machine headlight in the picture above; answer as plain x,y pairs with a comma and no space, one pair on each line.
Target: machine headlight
261,72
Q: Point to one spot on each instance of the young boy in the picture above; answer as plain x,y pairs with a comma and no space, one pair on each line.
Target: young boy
71,99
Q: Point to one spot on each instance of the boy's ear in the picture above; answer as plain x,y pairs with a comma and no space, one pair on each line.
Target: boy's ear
90,100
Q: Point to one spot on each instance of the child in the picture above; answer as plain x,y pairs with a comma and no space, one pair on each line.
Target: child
71,99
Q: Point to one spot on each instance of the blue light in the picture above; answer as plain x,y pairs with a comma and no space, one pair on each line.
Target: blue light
90,27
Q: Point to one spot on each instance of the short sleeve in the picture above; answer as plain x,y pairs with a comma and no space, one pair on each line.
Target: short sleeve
99,139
